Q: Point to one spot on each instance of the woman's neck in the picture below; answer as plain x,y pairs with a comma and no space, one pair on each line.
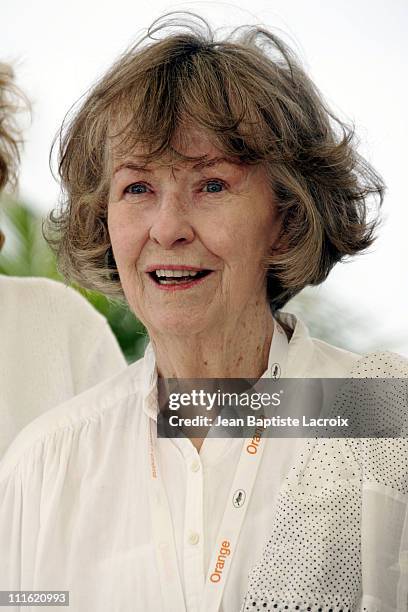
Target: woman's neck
238,349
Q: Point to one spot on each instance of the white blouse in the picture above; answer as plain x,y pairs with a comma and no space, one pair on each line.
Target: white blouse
324,529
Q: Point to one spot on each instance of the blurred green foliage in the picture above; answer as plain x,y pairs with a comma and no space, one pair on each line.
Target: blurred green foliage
129,331
26,253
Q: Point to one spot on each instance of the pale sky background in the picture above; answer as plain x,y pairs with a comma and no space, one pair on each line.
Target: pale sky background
356,51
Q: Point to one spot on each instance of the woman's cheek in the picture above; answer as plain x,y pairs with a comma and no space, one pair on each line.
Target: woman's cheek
127,236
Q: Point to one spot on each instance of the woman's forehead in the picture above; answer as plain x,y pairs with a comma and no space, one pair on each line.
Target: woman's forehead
193,149
196,165
193,143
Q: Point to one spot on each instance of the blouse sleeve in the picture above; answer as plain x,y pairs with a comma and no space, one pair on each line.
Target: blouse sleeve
32,477
20,496
384,470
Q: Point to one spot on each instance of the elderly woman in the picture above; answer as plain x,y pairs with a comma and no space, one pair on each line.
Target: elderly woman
54,345
207,182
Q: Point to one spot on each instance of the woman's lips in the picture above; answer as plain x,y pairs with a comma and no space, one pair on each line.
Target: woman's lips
160,266
170,283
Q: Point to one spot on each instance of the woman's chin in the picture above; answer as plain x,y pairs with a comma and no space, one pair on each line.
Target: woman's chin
179,322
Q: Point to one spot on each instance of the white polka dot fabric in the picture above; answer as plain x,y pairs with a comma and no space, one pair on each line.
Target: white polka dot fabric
339,538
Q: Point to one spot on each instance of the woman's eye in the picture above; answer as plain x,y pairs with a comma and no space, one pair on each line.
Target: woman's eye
214,186
136,188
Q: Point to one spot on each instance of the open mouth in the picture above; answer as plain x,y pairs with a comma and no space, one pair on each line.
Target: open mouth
177,277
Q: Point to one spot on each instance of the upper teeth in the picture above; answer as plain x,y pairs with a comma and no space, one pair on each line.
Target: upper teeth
176,272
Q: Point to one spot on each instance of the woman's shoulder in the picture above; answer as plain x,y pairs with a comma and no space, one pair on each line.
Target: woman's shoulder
312,357
382,450
333,360
44,295
47,320
89,410
375,397
20,285
380,364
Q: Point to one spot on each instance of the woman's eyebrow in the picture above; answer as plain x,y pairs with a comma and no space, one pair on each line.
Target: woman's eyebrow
203,163
208,163
131,166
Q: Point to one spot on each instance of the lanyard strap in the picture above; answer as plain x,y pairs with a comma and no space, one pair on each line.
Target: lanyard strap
234,513
240,492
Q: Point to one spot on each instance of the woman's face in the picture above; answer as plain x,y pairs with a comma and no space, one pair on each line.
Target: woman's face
189,238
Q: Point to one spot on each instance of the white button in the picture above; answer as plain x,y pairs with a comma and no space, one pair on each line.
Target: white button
193,538
195,465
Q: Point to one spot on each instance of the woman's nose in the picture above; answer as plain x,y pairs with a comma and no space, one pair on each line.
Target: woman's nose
171,223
